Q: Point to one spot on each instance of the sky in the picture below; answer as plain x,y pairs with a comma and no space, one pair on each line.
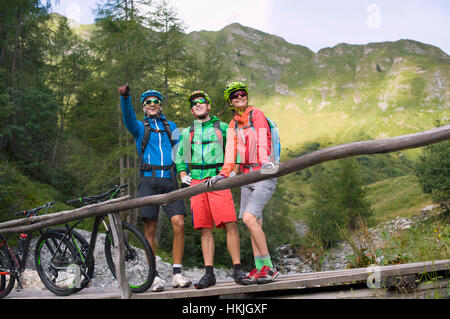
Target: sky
314,24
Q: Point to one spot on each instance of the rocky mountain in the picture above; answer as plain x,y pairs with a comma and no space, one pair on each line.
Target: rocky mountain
341,93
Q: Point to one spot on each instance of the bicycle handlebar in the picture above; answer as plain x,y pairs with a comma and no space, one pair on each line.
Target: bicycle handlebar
34,211
98,197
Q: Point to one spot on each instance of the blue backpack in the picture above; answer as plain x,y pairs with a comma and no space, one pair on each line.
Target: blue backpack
275,134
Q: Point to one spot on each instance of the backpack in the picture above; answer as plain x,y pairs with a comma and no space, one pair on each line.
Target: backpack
217,129
219,135
275,136
147,131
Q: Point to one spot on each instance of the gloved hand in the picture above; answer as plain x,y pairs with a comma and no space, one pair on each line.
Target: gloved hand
213,180
268,165
125,91
186,181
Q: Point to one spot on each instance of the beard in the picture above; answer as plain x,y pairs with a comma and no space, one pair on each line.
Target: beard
158,115
202,117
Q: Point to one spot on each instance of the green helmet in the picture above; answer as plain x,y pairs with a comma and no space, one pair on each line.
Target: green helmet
198,93
233,87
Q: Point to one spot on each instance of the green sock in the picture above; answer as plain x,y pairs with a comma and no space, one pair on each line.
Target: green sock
267,262
259,262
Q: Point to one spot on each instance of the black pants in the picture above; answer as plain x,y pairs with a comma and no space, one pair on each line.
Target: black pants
155,186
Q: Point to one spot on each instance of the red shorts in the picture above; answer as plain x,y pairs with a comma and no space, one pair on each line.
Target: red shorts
211,208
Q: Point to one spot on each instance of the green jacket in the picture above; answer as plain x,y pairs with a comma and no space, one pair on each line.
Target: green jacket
206,149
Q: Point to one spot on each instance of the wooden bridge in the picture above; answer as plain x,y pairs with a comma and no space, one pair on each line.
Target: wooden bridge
417,280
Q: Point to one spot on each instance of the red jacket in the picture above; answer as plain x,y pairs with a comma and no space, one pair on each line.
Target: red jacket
251,143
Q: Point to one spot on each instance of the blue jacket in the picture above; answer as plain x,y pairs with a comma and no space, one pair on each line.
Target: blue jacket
159,147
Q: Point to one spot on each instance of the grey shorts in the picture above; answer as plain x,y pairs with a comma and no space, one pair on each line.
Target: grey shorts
255,196
149,186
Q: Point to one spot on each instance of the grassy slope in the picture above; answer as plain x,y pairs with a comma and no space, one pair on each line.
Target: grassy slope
392,197
399,196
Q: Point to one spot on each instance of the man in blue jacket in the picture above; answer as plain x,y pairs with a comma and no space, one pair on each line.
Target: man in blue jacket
155,137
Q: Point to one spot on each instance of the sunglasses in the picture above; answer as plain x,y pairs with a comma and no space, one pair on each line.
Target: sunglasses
196,101
152,101
238,94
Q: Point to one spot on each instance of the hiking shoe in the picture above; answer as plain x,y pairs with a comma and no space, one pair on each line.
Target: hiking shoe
206,281
266,275
158,284
250,279
238,276
179,281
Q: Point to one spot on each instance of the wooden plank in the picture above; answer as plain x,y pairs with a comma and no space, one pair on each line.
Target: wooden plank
283,283
423,291
300,281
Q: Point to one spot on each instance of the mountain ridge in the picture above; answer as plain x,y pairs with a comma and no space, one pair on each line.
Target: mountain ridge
379,89
340,93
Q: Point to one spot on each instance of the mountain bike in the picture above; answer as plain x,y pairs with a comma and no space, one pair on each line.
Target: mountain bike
66,264
12,265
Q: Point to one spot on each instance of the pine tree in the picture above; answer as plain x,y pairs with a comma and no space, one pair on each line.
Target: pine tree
28,119
339,200
433,172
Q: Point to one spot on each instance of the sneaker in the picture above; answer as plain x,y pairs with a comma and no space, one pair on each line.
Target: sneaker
250,279
206,281
179,281
158,284
266,275
238,276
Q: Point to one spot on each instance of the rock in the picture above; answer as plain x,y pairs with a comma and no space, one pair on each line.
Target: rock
30,280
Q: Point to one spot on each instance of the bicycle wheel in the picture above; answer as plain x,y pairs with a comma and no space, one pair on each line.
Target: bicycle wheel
7,280
139,258
82,247
57,263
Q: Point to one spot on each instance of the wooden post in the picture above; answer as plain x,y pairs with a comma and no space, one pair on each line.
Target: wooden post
119,260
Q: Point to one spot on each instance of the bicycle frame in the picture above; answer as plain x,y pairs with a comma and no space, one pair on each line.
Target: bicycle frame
19,261
85,260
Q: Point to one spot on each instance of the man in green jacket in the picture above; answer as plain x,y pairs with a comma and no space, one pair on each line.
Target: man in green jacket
201,146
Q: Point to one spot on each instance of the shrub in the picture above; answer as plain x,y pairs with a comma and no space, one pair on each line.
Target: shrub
433,172
339,200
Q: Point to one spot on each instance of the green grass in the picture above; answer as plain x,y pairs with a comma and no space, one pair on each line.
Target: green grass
400,196
428,240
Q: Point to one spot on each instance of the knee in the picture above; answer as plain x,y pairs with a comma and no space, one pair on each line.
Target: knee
231,227
178,224
150,227
250,220
206,233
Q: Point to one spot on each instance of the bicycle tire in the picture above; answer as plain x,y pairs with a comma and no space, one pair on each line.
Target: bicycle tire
53,266
82,247
7,280
140,266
